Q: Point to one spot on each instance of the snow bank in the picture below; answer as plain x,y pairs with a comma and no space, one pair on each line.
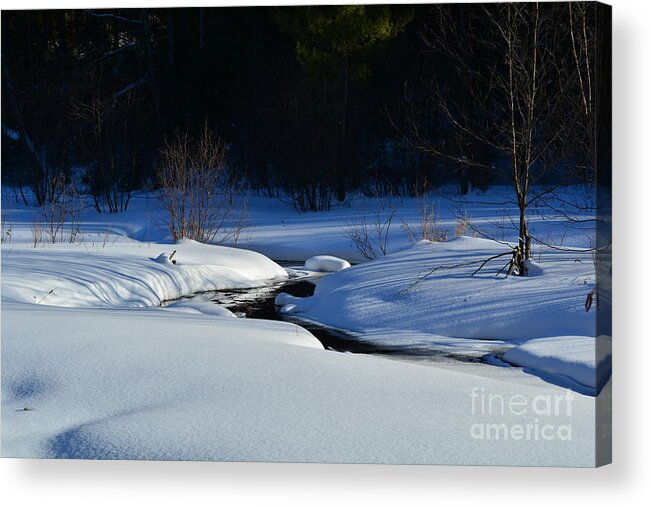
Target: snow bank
281,232
202,308
132,274
426,298
327,263
568,357
383,298
149,384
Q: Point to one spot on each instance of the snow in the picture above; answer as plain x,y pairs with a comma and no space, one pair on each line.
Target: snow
534,268
379,297
282,233
451,310
10,133
201,308
150,384
328,263
566,357
283,299
275,229
128,273
164,258
98,363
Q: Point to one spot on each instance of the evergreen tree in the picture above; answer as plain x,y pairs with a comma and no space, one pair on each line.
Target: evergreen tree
334,43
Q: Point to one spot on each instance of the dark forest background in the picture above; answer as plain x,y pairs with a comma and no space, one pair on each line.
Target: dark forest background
312,103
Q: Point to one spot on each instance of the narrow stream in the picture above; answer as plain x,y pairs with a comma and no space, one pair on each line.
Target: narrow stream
258,303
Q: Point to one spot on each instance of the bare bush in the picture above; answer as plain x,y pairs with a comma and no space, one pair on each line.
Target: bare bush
6,230
196,191
429,228
37,233
109,143
462,225
311,196
369,230
59,217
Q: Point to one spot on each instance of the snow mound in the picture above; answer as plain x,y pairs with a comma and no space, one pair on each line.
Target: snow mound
534,268
328,263
201,308
430,289
582,359
73,276
284,299
164,258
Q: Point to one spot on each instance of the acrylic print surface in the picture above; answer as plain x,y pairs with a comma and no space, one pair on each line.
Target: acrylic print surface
342,234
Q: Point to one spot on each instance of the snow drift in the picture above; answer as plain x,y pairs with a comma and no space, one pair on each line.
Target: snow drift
428,289
560,358
150,384
133,274
428,296
326,263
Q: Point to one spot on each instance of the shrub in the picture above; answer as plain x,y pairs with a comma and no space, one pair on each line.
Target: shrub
429,228
462,225
369,231
196,191
58,218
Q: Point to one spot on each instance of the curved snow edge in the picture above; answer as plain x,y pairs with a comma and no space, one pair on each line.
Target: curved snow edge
129,276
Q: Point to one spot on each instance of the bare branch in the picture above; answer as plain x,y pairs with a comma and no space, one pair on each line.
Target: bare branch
112,16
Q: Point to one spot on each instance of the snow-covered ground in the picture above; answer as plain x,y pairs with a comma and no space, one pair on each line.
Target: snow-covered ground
384,302
383,296
93,367
275,229
282,233
150,384
563,359
128,273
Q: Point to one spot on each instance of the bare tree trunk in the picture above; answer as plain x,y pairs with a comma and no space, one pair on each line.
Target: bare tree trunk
202,30
39,174
343,158
151,64
171,42
513,103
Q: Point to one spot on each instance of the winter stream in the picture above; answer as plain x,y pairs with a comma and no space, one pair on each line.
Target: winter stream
258,303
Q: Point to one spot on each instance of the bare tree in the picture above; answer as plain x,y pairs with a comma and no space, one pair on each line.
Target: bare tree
506,61
582,37
109,148
44,158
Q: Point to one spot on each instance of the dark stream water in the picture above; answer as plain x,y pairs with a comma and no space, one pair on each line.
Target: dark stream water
258,303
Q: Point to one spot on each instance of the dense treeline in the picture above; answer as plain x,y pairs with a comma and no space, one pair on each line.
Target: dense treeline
311,102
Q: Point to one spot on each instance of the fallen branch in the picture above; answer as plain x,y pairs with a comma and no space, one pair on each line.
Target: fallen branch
486,261
43,298
512,264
